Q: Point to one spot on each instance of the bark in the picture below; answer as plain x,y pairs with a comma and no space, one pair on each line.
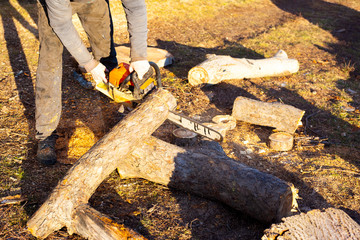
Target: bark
282,117
92,168
330,224
219,68
205,170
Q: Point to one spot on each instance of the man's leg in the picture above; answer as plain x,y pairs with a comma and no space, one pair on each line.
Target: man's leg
110,62
96,21
48,88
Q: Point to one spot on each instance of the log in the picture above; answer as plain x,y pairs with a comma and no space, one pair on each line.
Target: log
92,168
94,225
329,224
281,141
280,116
205,170
218,68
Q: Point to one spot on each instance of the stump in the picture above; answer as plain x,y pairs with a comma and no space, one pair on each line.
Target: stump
281,141
280,116
159,56
329,224
218,68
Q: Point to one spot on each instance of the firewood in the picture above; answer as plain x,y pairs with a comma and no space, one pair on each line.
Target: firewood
94,225
218,68
281,141
330,224
93,167
280,116
205,170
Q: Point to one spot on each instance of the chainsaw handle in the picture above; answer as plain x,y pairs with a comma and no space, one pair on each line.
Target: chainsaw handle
133,77
126,80
157,74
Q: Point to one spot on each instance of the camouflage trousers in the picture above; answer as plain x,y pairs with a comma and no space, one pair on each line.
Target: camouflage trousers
49,72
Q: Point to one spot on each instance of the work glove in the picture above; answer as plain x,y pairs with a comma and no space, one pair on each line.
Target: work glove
98,74
140,67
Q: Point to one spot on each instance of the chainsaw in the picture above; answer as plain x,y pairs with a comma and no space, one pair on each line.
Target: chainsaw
125,87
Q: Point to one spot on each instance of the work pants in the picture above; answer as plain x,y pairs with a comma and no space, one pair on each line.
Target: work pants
49,72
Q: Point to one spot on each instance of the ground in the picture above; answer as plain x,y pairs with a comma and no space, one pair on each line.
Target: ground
324,163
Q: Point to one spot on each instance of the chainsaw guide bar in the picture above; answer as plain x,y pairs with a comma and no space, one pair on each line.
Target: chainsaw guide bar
194,126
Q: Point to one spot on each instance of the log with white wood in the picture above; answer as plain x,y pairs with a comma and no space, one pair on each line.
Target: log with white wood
92,168
218,68
205,170
329,224
282,117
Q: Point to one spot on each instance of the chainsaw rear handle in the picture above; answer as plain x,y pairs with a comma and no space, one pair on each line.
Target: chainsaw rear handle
135,79
157,74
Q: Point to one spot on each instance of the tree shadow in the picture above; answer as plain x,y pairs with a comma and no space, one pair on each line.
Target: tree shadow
20,66
341,21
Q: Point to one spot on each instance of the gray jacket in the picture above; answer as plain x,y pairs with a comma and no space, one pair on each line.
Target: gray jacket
60,17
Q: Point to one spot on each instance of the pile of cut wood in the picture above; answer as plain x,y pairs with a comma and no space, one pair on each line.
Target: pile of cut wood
204,170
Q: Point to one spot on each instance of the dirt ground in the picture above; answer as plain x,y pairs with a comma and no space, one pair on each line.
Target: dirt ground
324,163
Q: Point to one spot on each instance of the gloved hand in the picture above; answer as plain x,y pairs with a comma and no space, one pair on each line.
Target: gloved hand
98,74
140,67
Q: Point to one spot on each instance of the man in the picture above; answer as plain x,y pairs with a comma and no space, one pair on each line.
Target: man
56,30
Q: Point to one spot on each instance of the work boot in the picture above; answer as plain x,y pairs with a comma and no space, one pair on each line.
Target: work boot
46,150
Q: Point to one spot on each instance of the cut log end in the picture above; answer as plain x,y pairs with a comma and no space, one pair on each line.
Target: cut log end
198,76
184,137
281,141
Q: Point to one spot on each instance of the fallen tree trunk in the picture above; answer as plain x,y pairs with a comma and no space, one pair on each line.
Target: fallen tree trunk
207,171
92,168
280,116
316,225
219,68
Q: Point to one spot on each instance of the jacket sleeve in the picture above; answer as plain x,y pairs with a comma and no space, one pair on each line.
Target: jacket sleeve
136,16
60,17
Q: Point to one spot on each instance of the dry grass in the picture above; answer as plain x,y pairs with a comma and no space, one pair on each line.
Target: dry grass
324,163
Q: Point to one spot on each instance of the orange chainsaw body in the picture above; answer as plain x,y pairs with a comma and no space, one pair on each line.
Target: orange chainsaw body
118,74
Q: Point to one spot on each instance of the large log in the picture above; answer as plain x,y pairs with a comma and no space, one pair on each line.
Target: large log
280,116
205,170
92,168
329,224
218,68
